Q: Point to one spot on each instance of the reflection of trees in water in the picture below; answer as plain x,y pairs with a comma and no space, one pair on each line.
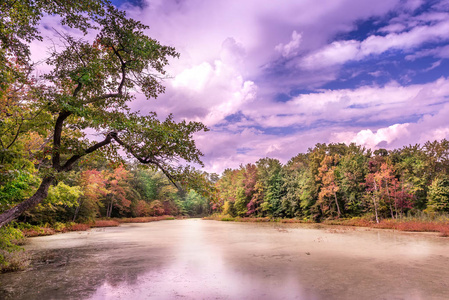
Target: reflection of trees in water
76,273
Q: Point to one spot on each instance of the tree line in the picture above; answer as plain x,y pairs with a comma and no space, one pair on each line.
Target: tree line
340,181
98,189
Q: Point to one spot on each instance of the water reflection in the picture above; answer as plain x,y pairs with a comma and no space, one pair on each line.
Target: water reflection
200,271
196,259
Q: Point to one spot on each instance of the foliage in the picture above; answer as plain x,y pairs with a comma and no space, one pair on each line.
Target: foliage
339,181
196,205
10,237
89,87
439,195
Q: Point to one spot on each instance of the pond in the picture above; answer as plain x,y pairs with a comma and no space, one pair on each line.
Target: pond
199,259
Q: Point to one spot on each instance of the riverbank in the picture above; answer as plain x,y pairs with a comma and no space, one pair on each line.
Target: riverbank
50,229
409,224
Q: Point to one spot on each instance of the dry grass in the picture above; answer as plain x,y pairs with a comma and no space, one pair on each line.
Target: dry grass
33,231
144,219
40,231
413,225
255,220
105,223
79,227
294,221
14,261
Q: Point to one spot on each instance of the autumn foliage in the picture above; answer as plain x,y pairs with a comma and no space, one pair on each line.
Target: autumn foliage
338,181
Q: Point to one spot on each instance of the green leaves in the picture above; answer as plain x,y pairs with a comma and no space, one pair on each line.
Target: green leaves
63,194
88,90
439,194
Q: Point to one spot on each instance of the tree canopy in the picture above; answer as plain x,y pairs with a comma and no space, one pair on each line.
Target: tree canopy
89,87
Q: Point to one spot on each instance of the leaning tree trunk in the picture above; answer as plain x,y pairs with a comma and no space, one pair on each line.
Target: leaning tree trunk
31,202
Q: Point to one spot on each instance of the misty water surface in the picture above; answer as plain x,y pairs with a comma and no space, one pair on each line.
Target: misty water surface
198,259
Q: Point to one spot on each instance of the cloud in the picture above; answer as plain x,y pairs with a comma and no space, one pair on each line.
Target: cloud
352,107
372,139
336,53
194,78
396,27
340,52
430,127
213,90
438,52
290,49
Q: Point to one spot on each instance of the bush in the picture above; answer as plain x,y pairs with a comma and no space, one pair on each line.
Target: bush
79,227
12,256
105,223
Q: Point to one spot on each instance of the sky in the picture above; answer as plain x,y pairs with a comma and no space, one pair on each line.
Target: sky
274,78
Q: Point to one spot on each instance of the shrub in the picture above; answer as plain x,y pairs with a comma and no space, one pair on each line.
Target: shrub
105,223
11,255
79,227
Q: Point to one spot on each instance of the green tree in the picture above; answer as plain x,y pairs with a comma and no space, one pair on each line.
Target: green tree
352,169
196,205
439,195
291,175
269,174
91,85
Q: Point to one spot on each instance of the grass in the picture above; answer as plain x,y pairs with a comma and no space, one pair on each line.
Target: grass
253,219
406,224
105,223
14,260
144,219
38,231
412,224
34,230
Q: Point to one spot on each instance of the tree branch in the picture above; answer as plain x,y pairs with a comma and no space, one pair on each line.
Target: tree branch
68,165
16,136
56,155
123,68
146,160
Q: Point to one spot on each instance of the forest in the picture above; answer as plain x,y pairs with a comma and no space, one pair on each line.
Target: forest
340,181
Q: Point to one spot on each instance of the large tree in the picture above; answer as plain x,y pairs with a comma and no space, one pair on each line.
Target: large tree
90,87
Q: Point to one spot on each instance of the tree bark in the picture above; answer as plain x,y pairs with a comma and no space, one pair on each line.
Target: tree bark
375,203
31,202
389,199
338,206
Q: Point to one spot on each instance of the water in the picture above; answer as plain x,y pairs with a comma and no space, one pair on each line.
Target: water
198,259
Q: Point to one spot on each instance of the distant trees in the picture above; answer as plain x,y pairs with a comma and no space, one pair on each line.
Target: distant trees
117,191
338,180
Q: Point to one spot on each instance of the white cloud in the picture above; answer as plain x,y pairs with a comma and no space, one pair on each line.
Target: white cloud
336,53
290,49
372,139
212,91
428,128
439,52
395,27
340,52
194,78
